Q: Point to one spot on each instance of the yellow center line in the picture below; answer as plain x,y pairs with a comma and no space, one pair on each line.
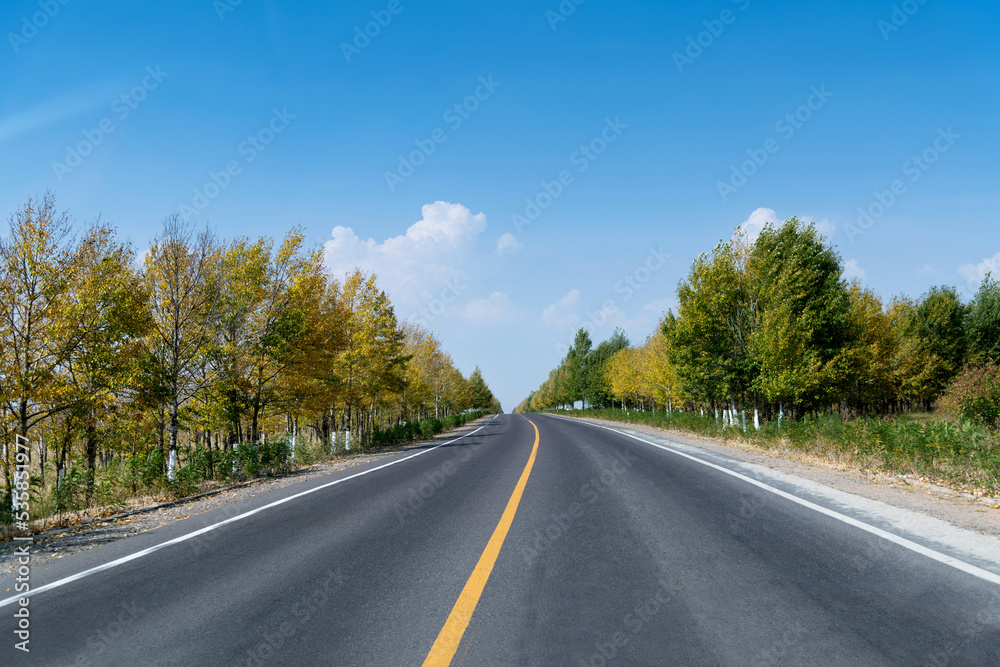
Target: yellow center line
458,620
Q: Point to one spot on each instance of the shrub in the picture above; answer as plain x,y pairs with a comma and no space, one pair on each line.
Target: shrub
974,396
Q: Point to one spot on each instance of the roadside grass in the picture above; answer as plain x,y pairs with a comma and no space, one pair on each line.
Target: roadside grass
961,456
130,480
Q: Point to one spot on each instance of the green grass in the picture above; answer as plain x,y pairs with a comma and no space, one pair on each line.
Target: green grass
959,455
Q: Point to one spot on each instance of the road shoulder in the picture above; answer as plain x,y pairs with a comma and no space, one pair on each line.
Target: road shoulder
954,507
60,542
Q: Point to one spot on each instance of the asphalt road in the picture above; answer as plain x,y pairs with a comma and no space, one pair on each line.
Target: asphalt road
619,553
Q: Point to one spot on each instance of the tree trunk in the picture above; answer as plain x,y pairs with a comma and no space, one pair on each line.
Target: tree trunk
172,457
90,442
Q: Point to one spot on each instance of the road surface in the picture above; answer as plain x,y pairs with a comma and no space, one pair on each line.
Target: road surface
571,544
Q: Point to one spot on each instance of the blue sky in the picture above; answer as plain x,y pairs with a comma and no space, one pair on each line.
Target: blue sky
670,124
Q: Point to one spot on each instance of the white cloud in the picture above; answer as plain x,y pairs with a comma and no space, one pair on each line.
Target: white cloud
974,273
561,312
497,307
825,227
760,218
140,257
55,111
755,224
852,271
437,258
509,245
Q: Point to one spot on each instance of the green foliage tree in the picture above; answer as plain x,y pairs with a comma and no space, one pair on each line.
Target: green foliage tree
803,322
982,324
597,391
932,345
576,367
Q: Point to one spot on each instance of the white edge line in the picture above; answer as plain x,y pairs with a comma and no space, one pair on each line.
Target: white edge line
183,538
892,537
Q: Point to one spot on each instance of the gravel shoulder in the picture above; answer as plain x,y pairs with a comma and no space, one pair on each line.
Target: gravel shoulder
965,510
88,532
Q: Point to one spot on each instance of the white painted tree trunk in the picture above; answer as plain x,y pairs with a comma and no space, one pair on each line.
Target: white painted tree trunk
756,419
172,465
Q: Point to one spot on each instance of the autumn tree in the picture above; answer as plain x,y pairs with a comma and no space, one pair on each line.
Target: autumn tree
270,327
39,263
109,305
372,362
184,278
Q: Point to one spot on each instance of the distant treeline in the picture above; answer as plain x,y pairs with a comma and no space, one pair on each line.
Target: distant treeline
769,327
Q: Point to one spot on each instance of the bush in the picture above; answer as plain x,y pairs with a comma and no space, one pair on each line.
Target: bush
423,430
974,396
276,456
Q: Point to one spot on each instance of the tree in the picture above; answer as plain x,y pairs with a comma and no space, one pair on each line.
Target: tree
803,315
624,376
710,336
111,309
932,343
38,333
982,324
576,368
183,277
597,391
866,363
270,327
372,361
482,397
657,375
